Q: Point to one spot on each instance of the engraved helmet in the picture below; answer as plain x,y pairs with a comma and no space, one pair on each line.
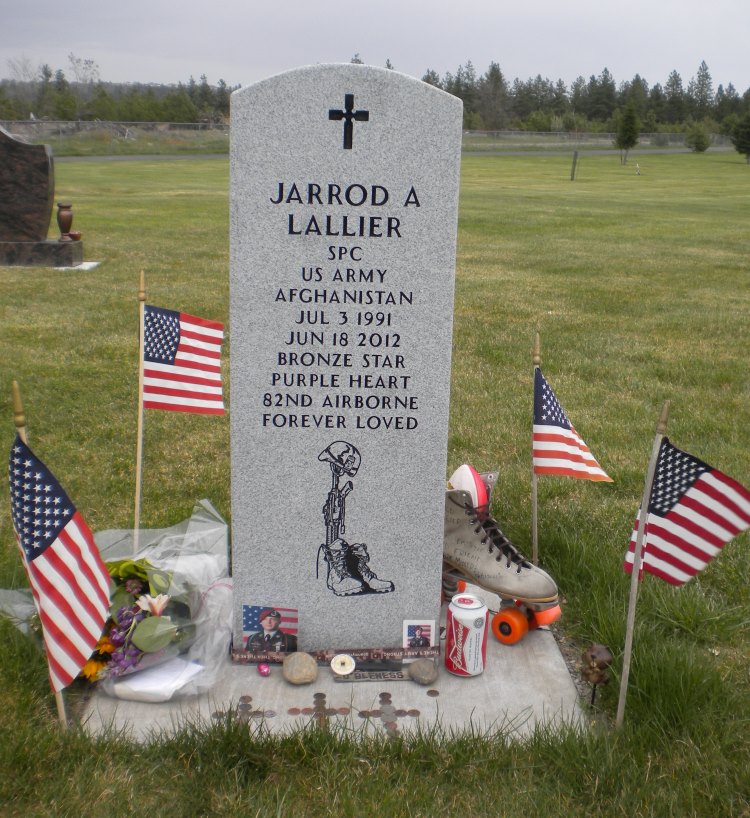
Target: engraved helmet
343,456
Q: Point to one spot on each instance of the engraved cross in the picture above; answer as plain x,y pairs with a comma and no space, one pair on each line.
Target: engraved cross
350,116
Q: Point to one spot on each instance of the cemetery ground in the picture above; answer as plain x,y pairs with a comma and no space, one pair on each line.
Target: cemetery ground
638,286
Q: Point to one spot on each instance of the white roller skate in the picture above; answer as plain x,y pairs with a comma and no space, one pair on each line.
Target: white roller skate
477,553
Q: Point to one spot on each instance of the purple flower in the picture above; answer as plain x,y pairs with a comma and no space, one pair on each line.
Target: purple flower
133,586
124,617
116,637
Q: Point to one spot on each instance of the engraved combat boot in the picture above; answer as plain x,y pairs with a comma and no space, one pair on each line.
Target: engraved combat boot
339,579
359,553
475,547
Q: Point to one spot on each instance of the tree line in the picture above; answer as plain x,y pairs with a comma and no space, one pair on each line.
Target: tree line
595,104
44,93
491,101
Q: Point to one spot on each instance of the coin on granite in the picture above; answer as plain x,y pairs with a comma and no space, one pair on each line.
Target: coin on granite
343,664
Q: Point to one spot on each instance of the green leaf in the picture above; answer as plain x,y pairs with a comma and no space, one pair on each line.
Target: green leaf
129,569
153,633
120,599
158,581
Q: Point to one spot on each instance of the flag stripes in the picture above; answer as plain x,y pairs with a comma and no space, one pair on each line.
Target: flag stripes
564,454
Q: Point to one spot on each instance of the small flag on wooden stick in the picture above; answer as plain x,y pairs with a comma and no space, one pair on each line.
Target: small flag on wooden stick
68,578
182,362
693,512
557,447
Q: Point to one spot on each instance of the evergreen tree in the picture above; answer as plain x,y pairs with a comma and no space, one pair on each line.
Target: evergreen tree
493,99
102,105
45,95
432,78
178,107
701,93
741,136
463,84
560,102
205,99
726,102
697,139
8,109
192,89
676,106
579,97
636,91
222,96
627,132
64,106
602,96
657,104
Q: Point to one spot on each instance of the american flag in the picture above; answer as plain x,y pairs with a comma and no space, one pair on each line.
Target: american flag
251,621
693,511
557,448
68,579
182,362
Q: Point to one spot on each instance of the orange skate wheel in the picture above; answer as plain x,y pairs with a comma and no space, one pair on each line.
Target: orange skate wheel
510,626
547,616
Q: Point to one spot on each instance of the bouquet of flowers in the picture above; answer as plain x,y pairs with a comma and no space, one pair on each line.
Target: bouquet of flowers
146,625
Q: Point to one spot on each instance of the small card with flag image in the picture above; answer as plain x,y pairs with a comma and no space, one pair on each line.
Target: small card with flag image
418,633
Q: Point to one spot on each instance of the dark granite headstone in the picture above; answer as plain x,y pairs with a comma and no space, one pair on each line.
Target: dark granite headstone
27,189
27,192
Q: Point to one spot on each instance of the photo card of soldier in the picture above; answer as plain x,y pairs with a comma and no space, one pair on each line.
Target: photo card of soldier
269,629
418,633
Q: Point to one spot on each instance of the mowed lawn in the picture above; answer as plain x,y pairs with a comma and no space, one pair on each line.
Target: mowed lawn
638,286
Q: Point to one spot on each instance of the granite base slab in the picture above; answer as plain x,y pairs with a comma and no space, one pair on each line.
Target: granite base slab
524,685
41,253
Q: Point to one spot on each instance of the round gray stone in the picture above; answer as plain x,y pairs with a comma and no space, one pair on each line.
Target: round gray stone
300,668
423,671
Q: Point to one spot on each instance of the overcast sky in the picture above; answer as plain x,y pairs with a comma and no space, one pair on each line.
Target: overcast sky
242,41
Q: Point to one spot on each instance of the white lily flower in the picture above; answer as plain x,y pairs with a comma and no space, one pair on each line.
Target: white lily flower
155,605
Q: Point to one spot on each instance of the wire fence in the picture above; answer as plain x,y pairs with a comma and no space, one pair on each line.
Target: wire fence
73,135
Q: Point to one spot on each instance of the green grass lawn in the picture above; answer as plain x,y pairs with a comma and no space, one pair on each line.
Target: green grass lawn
638,286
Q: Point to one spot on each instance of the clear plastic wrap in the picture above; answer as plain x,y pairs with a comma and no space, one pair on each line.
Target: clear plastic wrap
192,559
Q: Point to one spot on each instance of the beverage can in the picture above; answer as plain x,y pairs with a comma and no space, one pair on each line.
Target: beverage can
466,635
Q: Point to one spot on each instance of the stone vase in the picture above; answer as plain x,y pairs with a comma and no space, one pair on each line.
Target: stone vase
64,220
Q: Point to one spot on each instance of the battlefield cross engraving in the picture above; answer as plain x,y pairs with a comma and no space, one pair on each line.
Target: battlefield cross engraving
342,271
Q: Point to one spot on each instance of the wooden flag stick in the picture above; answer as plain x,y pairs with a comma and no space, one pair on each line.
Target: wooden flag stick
661,430
139,433
537,361
19,418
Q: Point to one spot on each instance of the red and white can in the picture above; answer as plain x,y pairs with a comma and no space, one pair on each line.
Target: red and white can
466,635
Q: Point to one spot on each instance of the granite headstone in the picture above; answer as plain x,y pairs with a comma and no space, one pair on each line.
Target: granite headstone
27,190
344,196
